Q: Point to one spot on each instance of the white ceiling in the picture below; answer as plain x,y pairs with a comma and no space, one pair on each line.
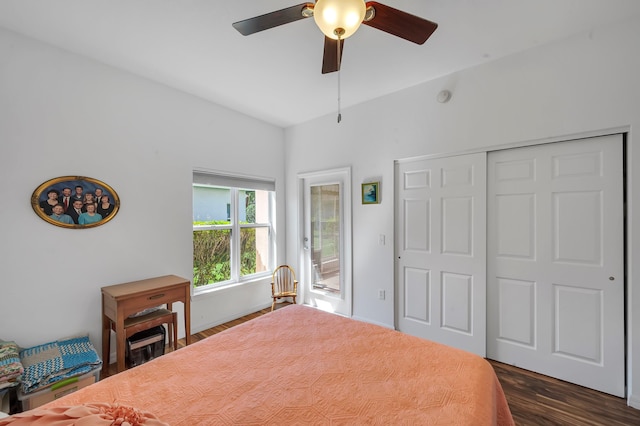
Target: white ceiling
275,75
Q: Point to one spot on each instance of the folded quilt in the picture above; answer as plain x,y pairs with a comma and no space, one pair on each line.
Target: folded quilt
10,365
54,361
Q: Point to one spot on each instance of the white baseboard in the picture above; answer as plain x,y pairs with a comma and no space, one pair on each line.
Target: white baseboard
235,316
634,401
355,317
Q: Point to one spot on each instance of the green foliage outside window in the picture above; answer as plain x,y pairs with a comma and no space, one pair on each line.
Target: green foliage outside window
211,253
251,206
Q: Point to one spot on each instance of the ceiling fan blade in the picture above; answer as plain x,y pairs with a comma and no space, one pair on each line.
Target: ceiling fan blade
400,24
273,19
330,57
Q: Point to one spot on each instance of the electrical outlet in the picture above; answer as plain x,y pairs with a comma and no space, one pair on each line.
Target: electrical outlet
381,294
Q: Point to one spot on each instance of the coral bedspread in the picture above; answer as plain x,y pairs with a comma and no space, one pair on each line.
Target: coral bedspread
298,365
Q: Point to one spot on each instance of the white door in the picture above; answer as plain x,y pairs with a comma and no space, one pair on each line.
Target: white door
555,272
441,250
327,240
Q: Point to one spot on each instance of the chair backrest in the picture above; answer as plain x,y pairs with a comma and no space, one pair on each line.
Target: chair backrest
284,281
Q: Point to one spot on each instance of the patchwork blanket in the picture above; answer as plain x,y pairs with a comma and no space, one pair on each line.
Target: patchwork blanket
10,366
54,361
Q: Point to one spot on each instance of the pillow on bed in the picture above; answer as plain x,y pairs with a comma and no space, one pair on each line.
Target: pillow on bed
96,414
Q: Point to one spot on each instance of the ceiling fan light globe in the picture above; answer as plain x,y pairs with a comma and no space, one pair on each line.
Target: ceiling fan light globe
332,15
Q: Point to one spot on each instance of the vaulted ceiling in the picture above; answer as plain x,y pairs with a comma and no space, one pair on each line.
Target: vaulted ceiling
275,75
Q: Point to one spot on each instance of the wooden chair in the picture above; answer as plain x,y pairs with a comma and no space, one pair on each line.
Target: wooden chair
283,284
152,319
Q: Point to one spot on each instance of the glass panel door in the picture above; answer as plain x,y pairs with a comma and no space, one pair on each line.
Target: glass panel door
325,237
326,256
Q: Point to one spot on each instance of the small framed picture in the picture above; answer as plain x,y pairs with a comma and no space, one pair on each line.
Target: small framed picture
371,193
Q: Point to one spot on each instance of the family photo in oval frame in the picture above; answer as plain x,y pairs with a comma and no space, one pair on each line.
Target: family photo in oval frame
75,202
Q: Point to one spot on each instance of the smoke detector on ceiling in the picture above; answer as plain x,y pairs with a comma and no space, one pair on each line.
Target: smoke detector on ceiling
444,96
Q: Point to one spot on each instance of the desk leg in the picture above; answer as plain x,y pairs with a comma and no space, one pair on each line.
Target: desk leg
106,342
187,317
120,343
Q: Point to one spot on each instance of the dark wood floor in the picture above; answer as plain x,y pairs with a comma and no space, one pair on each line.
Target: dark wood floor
534,399
538,400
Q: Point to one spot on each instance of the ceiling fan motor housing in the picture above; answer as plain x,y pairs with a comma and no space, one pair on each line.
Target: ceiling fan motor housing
339,19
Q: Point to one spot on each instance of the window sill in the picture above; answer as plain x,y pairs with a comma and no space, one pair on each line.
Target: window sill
212,290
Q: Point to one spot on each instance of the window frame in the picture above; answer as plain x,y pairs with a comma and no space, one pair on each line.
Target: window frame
236,227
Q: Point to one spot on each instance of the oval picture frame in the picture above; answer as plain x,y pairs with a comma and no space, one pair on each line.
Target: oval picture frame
80,186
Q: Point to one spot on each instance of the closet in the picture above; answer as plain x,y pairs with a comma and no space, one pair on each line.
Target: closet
518,255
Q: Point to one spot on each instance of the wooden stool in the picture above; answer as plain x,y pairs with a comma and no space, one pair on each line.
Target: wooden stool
152,319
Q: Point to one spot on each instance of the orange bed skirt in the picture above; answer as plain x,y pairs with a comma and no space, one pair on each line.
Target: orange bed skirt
298,365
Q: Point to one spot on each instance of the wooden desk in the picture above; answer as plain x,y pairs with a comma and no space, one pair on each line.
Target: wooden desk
121,300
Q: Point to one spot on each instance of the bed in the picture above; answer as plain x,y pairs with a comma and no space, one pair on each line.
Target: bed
299,365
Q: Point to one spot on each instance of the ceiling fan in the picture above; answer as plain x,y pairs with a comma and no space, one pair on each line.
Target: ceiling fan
338,19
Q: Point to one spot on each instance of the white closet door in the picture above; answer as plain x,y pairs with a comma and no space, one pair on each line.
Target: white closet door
555,272
441,250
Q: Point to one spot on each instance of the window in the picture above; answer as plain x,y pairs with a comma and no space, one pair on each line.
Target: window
232,229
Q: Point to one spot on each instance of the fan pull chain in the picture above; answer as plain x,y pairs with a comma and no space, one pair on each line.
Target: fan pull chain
338,61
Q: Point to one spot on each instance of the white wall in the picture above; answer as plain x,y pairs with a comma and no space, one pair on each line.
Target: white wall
581,85
61,114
